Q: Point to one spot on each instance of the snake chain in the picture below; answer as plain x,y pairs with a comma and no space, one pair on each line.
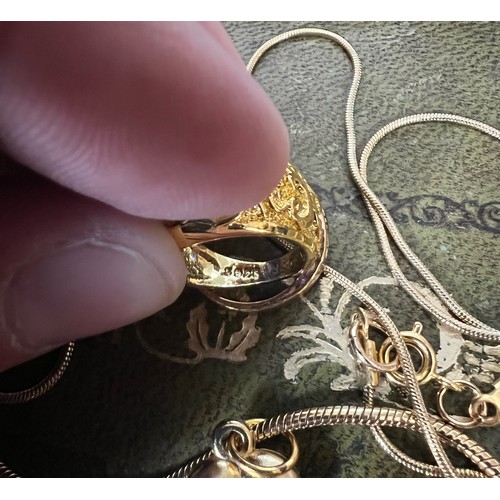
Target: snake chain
434,431
385,227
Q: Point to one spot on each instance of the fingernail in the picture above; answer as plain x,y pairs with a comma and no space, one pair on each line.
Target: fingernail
80,290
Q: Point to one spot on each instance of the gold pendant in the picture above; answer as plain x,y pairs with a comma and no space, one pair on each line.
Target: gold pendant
215,467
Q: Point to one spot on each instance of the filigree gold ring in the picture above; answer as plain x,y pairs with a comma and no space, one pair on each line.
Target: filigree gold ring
263,256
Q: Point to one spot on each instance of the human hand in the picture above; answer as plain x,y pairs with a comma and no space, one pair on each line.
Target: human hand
140,122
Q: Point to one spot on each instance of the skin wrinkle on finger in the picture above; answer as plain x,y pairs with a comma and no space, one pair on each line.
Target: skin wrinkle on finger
12,324
179,130
18,348
42,126
220,35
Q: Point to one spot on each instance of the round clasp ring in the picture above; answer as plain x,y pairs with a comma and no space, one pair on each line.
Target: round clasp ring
458,421
363,348
428,366
231,429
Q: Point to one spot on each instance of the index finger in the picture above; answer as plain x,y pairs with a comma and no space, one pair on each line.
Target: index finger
157,119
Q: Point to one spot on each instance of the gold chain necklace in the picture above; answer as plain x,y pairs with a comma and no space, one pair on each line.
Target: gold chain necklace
234,451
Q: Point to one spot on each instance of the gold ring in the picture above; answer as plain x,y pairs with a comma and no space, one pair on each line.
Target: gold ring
462,422
283,258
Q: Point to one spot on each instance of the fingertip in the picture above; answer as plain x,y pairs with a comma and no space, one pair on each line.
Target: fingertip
157,119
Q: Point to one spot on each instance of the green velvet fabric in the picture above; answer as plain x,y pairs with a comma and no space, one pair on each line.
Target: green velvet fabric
143,399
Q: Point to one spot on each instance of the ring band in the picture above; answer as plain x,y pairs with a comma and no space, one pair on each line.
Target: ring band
291,219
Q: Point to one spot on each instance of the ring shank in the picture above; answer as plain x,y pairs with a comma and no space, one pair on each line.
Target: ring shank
221,271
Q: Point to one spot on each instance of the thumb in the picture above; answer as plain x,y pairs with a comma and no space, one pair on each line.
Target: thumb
71,267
